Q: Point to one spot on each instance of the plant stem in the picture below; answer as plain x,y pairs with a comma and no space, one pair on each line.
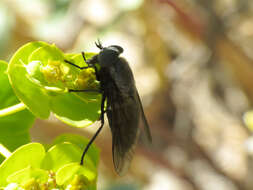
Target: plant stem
12,109
4,151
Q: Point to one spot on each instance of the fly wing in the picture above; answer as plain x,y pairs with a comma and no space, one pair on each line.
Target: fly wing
124,110
147,133
123,114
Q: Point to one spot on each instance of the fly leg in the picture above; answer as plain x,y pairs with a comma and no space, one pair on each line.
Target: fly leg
91,64
85,90
86,67
98,131
69,62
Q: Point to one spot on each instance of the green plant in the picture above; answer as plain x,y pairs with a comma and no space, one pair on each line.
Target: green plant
34,84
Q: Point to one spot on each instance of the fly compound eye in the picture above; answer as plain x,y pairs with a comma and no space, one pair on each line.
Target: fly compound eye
117,48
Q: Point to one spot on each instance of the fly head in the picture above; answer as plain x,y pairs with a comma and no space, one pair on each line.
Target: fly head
108,55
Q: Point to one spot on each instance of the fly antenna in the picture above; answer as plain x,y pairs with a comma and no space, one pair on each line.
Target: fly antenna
99,44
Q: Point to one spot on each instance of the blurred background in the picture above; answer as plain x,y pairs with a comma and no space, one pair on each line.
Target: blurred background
193,66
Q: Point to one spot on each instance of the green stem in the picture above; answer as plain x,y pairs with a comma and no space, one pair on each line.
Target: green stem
12,109
4,151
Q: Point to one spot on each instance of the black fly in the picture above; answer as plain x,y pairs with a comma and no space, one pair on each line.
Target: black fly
124,109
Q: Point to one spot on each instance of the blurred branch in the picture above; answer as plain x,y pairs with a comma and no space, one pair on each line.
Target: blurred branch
212,122
232,55
193,23
157,52
238,62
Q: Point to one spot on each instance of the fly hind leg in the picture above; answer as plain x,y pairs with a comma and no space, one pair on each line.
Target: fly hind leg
98,131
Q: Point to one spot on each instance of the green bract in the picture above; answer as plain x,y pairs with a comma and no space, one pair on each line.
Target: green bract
27,155
31,167
81,143
14,129
41,79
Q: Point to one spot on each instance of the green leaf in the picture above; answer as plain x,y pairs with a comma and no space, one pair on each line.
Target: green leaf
59,155
27,155
13,186
62,154
50,60
66,173
40,78
45,53
14,129
30,167
81,142
79,181
71,110
24,175
29,93
87,102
